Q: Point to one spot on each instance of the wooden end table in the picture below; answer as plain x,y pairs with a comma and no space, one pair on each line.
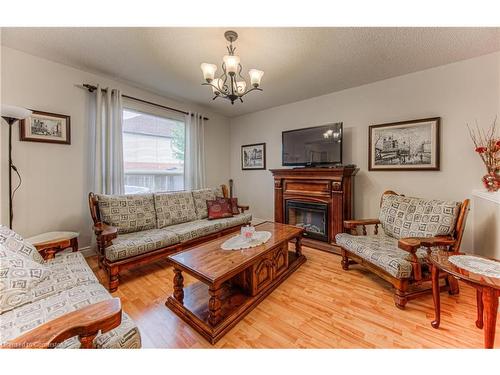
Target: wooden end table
48,244
231,282
487,289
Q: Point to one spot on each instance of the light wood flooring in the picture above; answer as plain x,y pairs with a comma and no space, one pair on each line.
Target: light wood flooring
319,306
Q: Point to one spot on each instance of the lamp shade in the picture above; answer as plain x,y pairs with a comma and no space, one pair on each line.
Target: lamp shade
217,83
208,71
240,87
232,62
12,111
255,77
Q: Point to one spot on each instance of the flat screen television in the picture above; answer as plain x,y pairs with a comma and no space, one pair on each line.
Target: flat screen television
319,145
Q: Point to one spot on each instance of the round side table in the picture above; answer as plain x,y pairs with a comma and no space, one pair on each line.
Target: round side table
478,272
48,244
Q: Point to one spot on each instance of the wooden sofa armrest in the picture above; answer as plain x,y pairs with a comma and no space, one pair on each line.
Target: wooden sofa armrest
351,225
84,323
106,232
412,244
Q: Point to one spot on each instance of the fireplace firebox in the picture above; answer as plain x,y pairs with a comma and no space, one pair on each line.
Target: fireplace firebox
313,217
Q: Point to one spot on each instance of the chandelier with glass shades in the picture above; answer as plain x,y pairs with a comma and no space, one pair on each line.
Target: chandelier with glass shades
230,85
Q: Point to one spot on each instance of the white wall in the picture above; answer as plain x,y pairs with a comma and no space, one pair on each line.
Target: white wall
459,93
54,192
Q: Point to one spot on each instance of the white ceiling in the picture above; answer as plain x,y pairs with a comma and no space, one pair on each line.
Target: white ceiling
299,63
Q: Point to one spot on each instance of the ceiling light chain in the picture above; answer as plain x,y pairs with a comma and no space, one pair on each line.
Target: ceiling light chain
231,69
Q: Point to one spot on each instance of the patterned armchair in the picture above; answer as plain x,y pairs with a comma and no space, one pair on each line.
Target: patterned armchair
410,228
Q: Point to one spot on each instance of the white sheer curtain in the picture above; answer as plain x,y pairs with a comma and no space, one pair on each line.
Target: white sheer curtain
194,157
106,142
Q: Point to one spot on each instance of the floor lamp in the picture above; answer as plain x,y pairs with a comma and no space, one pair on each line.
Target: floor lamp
11,114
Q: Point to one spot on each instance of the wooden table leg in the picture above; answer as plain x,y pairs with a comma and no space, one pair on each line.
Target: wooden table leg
436,297
298,246
490,303
479,301
214,304
178,286
74,244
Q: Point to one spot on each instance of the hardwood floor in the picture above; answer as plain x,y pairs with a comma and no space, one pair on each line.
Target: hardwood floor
319,306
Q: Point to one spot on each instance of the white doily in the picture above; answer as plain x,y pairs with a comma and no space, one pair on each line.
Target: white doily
477,265
238,242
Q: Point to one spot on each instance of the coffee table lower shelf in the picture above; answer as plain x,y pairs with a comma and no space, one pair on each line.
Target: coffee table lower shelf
235,303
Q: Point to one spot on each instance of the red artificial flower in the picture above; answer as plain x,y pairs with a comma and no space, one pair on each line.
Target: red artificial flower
497,144
481,149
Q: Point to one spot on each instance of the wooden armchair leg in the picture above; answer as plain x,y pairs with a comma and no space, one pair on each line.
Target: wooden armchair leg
345,260
400,298
452,284
114,279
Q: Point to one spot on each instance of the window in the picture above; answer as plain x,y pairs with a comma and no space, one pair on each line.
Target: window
153,152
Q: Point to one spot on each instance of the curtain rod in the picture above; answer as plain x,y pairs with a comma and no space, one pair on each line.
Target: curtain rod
92,88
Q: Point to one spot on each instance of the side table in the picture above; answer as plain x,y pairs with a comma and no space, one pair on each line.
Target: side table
483,274
48,244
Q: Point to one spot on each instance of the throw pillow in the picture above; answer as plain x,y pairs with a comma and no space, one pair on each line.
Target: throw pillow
18,275
14,242
219,208
234,204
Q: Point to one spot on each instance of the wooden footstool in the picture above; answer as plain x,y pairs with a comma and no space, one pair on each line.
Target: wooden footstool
48,244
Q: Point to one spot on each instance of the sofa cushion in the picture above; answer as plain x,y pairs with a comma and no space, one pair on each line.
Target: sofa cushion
14,242
25,318
382,251
200,200
240,219
415,217
18,276
129,213
174,208
67,270
195,229
131,244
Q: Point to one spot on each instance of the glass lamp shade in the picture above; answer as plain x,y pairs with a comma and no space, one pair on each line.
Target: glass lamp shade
232,62
14,112
217,83
255,77
208,71
240,87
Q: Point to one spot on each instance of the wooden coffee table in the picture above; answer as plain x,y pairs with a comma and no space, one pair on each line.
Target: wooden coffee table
231,282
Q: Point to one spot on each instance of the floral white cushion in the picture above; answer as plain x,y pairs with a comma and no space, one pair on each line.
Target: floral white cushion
18,276
174,208
14,242
382,251
415,217
129,213
201,197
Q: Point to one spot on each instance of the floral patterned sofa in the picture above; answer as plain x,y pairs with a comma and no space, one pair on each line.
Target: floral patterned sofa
411,227
138,228
38,296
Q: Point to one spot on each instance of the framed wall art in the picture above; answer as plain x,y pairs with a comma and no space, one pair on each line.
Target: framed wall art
404,146
46,127
253,156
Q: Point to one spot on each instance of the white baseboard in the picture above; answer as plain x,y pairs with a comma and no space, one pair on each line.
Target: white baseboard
87,251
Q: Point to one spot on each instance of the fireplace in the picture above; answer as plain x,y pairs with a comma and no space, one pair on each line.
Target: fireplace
320,199
313,217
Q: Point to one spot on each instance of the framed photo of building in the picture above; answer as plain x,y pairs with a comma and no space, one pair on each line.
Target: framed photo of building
405,146
253,156
46,127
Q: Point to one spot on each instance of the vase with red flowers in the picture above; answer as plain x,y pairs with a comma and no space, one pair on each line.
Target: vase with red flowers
487,145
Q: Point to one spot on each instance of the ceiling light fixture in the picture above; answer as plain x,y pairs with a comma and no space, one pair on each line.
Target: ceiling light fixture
230,85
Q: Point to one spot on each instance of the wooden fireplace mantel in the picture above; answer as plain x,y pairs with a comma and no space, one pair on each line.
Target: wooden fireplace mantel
333,186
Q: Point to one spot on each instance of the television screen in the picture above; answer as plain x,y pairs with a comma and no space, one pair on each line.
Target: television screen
313,146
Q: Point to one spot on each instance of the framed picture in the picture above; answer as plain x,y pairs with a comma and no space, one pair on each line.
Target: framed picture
253,156
404,146
46,127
